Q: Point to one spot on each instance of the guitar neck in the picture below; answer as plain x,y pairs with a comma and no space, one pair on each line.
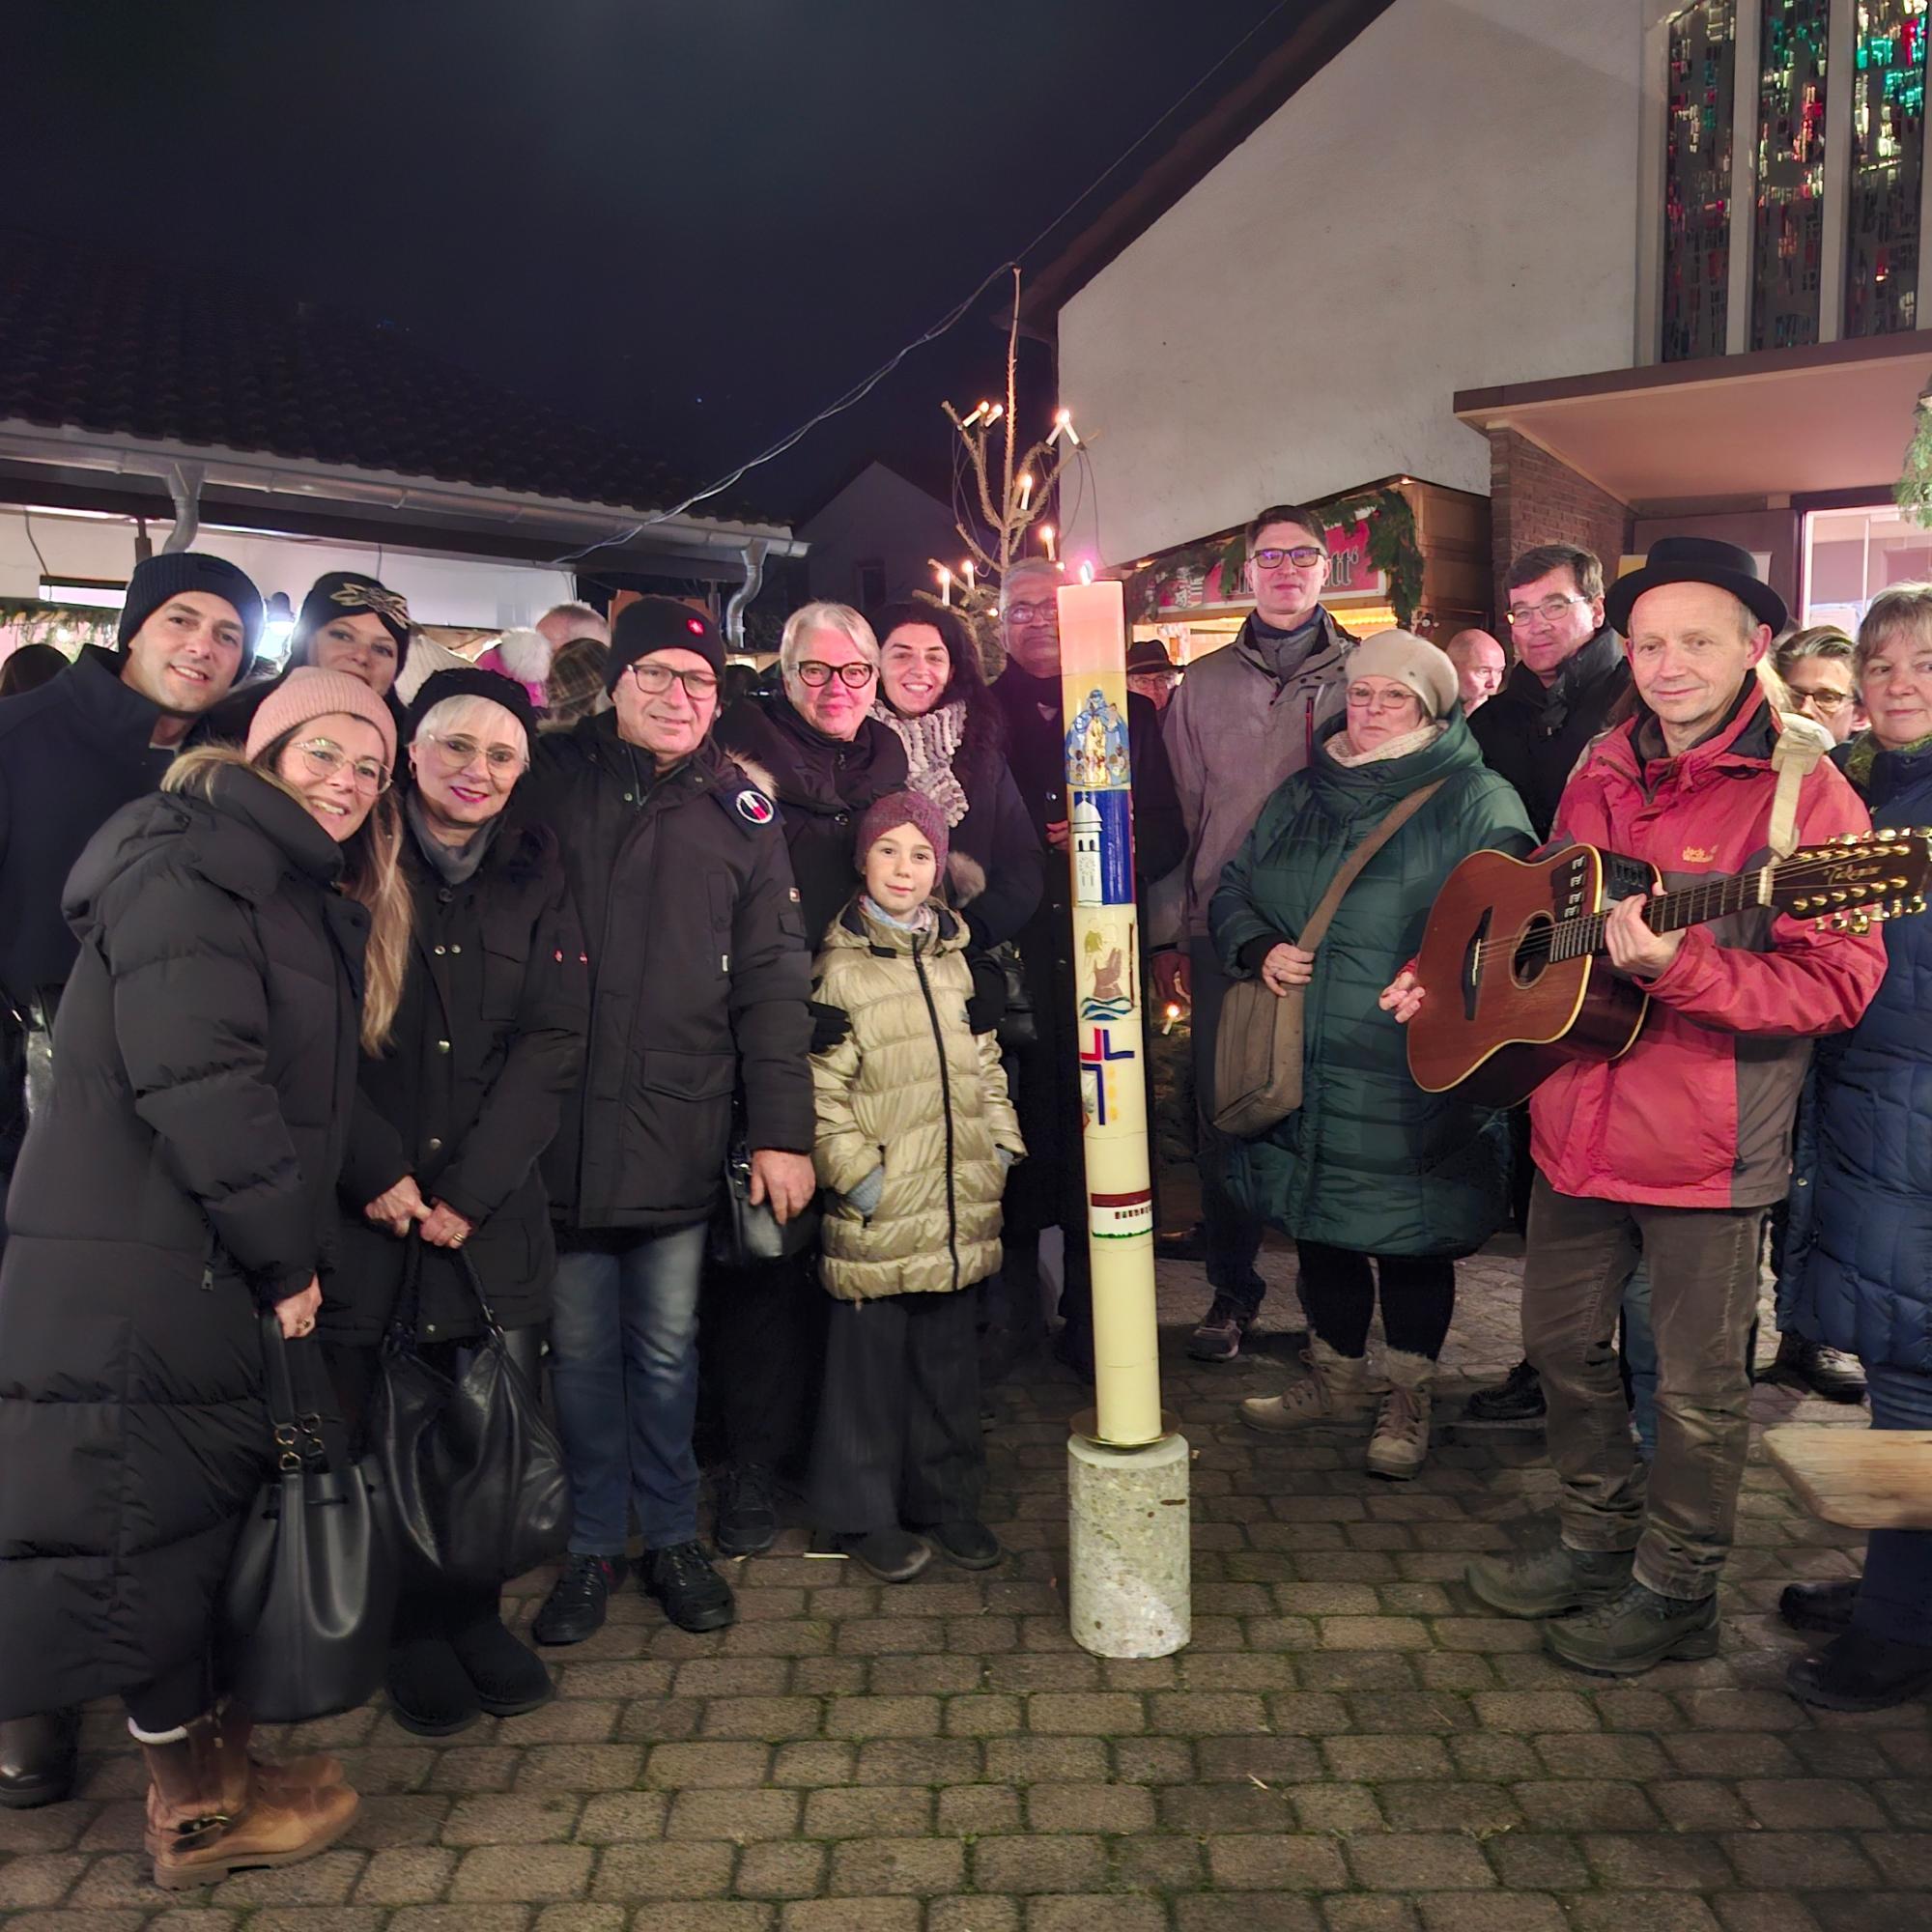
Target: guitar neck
1694,905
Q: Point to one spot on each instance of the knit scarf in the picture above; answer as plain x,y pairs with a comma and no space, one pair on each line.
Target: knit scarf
1864,755
930,741
1420,739
455,865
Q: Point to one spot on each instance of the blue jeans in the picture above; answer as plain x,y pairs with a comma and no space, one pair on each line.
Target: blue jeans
1640,1358
623,1372
1895,1597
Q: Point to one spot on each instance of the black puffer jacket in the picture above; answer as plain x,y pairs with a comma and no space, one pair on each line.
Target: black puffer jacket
182,1175
1532,733
823,786
698,978
488,1041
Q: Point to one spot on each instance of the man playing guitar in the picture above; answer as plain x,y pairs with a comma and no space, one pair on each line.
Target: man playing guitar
1682,1143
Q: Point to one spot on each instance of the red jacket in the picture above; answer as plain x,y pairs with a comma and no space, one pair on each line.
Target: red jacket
1698,1114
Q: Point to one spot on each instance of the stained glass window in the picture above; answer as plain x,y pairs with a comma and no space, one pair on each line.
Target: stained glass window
1788,230
1887,161
1697,179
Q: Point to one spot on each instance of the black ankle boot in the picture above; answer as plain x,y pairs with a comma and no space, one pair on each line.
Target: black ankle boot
430,1693
38,1759
508,1677
1856,1672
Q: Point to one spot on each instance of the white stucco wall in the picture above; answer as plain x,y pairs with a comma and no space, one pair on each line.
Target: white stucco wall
878,516
1451,203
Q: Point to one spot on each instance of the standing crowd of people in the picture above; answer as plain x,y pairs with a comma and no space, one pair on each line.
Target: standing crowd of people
478,1001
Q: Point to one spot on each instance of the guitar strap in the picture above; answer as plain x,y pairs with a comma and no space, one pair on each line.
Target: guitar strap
1801,743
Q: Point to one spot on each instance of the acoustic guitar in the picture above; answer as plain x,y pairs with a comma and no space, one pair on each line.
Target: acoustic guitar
1520,983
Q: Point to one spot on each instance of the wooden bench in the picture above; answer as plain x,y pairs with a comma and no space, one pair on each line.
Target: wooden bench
1864,1478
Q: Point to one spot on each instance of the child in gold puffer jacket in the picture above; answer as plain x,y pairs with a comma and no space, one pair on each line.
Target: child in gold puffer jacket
915,1136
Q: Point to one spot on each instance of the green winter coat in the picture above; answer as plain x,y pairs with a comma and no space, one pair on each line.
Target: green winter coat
913,1089
1369,1162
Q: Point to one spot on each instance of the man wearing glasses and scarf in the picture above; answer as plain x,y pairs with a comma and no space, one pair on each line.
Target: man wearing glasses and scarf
1242,721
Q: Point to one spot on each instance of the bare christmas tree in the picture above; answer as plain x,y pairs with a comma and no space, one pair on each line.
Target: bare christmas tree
1016,490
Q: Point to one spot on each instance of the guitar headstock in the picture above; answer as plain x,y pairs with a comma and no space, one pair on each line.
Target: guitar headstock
1852,883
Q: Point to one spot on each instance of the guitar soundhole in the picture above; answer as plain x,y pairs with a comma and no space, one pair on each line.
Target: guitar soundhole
1532,951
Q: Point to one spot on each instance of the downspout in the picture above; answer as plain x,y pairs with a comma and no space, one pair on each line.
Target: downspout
184,487
755,576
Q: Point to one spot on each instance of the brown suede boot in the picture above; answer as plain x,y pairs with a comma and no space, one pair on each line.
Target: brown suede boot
234,1729
1336,1390
196,1838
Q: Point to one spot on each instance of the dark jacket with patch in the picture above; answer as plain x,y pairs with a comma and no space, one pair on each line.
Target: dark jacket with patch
182,1176
698,978
488,1041
1858,1272
822,786
1534,733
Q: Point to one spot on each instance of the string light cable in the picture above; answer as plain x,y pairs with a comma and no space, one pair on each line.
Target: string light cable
861,389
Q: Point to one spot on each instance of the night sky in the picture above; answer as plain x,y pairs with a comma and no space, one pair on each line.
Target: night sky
696,224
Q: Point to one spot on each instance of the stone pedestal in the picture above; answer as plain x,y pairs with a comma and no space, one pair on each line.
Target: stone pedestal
1128,1546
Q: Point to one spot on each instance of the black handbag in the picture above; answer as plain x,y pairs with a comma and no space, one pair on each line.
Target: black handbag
311,1591
1019,1024
474,1472
747,1233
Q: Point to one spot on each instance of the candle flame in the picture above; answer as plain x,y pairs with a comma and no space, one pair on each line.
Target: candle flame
1087,573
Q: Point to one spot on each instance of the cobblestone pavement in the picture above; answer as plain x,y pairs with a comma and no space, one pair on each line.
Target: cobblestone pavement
1347,1745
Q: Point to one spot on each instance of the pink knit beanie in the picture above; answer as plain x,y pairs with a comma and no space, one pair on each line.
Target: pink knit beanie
897,809
307,692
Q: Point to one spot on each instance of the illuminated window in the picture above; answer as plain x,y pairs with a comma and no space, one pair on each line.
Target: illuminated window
1788,229
1697,179
1887,158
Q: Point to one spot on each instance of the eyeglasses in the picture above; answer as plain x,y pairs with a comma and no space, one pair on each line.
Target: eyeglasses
655,679
1303,557
458,752
1365,698
1551,610
855,675
1827,701
1032,613
324,758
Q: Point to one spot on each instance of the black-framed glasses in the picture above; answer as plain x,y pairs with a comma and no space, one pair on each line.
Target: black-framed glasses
1303,557
325,757
1551,610
655,679
459,750
816,674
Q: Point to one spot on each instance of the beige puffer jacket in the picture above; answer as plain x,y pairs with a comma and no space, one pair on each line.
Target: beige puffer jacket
914,1089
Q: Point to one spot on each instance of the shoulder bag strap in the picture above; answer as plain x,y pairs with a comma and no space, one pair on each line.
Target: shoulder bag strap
467,1269
1317,929
296,1435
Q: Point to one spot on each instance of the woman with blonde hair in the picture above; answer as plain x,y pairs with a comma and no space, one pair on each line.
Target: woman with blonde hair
242,933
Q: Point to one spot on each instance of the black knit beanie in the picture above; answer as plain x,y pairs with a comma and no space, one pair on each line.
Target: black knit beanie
172,572
661,624
348,593
470,681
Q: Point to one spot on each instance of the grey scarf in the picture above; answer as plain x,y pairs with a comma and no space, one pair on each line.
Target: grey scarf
454,864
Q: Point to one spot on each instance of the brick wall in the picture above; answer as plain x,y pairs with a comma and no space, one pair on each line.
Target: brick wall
1534,499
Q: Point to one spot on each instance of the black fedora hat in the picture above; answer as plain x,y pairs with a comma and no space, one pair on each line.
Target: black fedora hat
1149,657
1696,560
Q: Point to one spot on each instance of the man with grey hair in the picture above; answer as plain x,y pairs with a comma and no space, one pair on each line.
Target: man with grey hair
1244,718
1048,1190
564,623
1819,666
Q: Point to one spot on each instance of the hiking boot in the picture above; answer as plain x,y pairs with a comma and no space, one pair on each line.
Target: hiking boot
578,1600
1632,1631
39,1757
1858,1672
195,1835
1218,1339
1400,1444
892,1556
1517,1398
968,1543
1548,1580
1336,1390
692,1594
1816,1370
508,1677
1825,1609
748,1518
430,1695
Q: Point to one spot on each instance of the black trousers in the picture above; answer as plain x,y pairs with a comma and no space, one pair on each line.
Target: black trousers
899,1423
1418,1295
761,1340
166,1703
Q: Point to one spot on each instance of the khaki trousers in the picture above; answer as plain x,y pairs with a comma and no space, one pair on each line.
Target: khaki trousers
1704,1286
